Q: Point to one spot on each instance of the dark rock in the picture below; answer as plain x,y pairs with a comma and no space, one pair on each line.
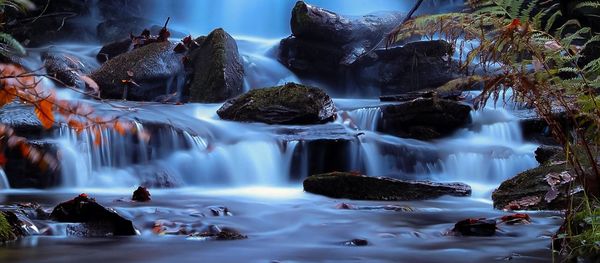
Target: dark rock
413,67
141,195
21,118
356,243
536,129
23,173
13,225
314,23
116,29
51,22
424,119
217,70
216,233
311,59
476,227
546,153
532,190
111,50
67,68
95,219
143,74
360,187
516,219
288,104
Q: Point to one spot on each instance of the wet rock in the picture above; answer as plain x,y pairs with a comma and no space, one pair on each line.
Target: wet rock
314,23
115,29
23,173
113,49
476,227
21,118
217,69
424,119
95,220
67,68
360,187
143,74
541,188
324,44
416,66
516,219
536,129
216,233
356,243
546,153
141,195
287,104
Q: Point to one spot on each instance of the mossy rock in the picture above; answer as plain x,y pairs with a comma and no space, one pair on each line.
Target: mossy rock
156,69
361,187
528,190
288,104
217,72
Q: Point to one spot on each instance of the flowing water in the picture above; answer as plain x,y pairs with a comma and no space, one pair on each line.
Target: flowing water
255,170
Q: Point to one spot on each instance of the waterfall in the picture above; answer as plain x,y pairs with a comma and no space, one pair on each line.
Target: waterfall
3,180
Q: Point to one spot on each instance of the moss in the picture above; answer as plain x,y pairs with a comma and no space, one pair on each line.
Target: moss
585,239
6,231
530,183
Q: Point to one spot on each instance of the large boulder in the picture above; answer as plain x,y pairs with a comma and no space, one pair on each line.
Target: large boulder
95,220
360,187
287,104
324,44
143,74
423,65
113,49
424,119
314,23
217,72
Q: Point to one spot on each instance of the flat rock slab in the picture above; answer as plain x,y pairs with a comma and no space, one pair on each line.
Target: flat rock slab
361,187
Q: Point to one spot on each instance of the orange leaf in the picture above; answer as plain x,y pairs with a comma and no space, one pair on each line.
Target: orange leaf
76,125
7,95
43,110
119,128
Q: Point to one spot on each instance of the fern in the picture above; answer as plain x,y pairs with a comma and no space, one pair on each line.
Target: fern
9,46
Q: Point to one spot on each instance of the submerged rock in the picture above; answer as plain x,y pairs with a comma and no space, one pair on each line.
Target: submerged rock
360,187
143,74
356,243
141,195
287,104
425,119
95,219
476,227
216,233
217,69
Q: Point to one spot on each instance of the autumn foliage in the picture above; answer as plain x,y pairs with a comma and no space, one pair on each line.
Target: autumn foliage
19,85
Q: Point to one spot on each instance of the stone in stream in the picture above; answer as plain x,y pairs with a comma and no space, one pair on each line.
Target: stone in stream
288,104
360,187
356,243
424,119
95,220
217,72
476,227
142,74
67,68
416,66
330,47
141,194
542,188
221,234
